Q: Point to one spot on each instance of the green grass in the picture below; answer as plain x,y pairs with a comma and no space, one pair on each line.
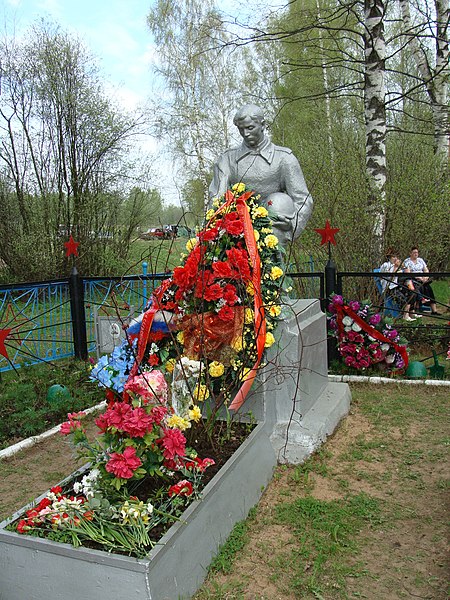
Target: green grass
24,407
385,482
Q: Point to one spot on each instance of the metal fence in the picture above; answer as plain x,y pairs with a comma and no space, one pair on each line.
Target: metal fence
50,320
45,318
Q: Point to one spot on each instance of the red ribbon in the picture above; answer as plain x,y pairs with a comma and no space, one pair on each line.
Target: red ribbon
368,329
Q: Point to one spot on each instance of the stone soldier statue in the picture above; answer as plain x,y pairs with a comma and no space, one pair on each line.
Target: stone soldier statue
271,171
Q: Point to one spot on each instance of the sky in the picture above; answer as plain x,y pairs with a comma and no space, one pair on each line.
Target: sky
116,33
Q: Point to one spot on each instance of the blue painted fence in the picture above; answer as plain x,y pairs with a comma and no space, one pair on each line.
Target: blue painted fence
43,321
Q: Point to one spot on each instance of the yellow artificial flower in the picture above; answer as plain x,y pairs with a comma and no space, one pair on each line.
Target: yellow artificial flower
209,215
256,232
195,414
250,289
180,337
216,203
266,230
259,212
178,422
201,392
245,372
190,244
238,345
271,241
170,365
276,272
249,316
270,340
238,188
274,310
216,369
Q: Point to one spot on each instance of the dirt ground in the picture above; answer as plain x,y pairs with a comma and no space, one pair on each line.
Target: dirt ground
400,459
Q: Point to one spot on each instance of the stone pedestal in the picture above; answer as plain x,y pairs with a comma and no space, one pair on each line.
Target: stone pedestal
293,396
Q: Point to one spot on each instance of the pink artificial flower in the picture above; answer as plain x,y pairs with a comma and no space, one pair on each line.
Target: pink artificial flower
375,319
354,305
123,465
69,427
149,385
114,416
173,443
137,422
158,413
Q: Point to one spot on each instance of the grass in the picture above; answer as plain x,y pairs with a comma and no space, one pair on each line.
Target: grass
26,410
364,517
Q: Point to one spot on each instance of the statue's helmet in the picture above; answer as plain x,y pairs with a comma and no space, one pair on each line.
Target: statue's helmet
282,205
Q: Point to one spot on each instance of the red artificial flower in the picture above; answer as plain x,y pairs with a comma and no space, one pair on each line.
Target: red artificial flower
182,488
153,360
200,464
229,294
173,443
23,526
226,313
222,270
210,292
239,262
232,224
57,489
123,465
208,235
43,504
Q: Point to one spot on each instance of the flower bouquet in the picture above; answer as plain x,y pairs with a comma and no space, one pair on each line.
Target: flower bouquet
201,338
365,337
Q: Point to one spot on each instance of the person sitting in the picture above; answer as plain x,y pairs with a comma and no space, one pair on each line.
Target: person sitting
415,264
400,293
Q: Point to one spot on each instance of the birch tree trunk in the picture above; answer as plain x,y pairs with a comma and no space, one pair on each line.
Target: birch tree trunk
375,115
436,80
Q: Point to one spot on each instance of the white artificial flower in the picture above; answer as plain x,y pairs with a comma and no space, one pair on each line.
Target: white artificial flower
347,321
356,327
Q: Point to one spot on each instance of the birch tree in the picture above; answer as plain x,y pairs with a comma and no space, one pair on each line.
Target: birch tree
375,114
201,84
435,78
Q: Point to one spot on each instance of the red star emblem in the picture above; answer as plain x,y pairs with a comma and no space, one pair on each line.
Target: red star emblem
10,316
327,234
3,335
71,247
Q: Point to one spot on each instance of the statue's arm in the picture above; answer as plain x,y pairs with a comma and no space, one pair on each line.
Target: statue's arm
296,188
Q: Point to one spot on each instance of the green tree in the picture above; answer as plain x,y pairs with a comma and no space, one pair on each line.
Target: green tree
63,157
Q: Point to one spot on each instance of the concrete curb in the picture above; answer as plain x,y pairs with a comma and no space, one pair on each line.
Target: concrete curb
367,379
35,439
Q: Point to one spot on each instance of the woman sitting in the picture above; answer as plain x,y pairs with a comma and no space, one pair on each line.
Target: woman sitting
400,293
414,264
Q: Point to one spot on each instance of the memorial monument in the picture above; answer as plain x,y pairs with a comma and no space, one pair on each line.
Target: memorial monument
293,396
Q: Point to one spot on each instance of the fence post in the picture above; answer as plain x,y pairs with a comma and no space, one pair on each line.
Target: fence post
76,291
330,288
144,284
330,278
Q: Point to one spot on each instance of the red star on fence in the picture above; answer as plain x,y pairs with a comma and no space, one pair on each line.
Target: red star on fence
327,234
71,247
3,335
